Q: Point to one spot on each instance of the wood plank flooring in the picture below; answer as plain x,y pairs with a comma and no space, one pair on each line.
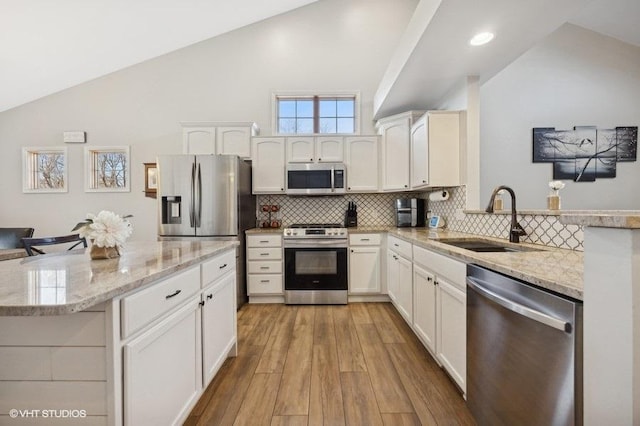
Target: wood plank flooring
358,364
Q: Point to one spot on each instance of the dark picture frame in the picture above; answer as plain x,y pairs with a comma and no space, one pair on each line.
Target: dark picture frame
150,180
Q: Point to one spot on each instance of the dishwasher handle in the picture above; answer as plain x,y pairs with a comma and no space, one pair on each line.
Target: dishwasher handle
518,308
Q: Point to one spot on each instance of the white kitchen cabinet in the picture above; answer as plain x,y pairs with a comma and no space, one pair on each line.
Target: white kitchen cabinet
320,149
268,162
163,369
424,307
364,263
361,158
435,150
452,331
399,277
221,138
218,324
395,152
264,267
440,310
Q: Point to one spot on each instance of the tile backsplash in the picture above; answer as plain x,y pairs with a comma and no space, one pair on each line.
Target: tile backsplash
378,210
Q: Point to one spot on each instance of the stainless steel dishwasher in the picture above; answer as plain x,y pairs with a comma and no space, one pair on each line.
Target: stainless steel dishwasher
524,352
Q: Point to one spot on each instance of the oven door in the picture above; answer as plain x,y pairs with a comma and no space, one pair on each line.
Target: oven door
311,267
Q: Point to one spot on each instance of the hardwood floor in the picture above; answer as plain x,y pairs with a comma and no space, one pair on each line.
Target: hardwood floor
358,364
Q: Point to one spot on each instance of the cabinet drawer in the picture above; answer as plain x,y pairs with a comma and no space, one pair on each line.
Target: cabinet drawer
142,307
264,240
265,284
217,267
401,247
454,270
268,267
365,239
267,253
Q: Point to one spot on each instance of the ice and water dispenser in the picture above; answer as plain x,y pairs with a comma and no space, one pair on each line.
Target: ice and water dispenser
171,209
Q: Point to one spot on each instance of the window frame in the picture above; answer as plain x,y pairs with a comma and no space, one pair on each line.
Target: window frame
275,96
29,168
90,173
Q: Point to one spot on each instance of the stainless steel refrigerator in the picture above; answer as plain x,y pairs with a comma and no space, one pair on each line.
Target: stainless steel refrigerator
208,197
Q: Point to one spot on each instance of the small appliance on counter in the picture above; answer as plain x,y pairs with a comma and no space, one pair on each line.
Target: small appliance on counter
351,215
410,212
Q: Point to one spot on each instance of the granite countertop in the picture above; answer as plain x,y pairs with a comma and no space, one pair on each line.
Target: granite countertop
555,269
67,282
625,219
8,254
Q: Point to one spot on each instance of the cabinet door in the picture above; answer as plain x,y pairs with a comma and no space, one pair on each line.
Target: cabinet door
362,163
419,154
300,149
424,307
199,140
452,331
364,270
395,155
163,369
392,275
405,289
234,141
268,165
218,325
329,149
444,148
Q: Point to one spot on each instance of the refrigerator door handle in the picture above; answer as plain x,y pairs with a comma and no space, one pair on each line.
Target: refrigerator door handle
192,207
199,203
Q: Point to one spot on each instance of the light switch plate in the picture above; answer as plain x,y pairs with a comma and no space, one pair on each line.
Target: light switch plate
74,137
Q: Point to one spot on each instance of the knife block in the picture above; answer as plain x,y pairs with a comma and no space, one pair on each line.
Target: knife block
351,218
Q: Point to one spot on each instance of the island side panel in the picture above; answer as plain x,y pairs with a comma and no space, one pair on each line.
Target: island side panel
53,369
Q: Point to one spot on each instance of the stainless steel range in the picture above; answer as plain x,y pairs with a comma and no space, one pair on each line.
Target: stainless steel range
315,264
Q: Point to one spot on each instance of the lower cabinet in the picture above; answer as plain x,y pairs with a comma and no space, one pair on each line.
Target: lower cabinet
167,364
162,369
218,325
365,264
440,310
399,277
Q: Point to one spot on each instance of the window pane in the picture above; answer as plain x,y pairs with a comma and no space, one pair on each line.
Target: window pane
287,125
327,125
305,108
287,108
328,108
111,169
305,125
345,125
345,108
50,171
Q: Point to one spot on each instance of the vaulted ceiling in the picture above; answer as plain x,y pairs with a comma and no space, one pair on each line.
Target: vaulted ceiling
48,46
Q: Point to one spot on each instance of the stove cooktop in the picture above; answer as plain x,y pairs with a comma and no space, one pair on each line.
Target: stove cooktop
316,225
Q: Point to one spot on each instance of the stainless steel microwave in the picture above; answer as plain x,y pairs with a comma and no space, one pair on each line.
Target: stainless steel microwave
316,179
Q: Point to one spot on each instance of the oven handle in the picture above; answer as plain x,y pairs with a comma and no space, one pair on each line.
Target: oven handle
518,308
314,243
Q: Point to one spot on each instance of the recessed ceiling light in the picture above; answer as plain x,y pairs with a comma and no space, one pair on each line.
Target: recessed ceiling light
481,38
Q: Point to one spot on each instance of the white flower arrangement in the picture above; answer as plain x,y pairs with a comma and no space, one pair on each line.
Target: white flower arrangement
556,186
106,229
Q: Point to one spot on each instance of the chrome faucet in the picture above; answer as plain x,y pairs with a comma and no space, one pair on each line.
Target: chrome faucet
516,230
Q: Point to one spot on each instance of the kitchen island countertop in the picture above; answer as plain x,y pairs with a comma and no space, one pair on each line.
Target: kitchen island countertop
68,282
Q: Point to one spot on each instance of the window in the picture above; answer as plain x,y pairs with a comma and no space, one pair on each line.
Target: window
107,169
309,114
44,169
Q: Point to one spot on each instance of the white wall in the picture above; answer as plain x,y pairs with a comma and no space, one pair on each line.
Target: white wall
575,77
328,45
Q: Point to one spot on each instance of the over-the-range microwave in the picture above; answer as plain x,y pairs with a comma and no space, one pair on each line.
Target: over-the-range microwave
316,179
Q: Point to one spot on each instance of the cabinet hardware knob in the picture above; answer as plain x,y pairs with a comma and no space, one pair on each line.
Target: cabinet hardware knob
223,266
201,303
364,239
311,159
264,281
175,293
429,279
264,254
351,250
264,267
406,186
424,181
264,241
209,296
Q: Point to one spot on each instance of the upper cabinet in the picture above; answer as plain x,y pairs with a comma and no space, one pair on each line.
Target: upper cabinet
310,149
361,158
435,150
395,152
221,138
268,165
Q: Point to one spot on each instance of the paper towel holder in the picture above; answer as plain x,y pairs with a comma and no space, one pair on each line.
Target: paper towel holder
439,195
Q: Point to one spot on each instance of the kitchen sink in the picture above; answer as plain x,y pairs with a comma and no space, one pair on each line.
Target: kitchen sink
482,245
